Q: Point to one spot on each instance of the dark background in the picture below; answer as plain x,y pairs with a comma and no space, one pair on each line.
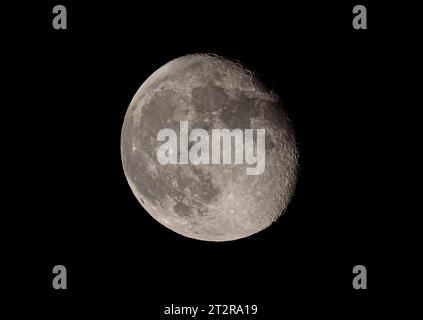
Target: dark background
78,210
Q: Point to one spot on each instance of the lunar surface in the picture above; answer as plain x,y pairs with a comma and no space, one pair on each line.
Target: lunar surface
213,202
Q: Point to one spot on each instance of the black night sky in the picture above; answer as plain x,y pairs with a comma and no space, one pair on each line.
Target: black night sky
78,210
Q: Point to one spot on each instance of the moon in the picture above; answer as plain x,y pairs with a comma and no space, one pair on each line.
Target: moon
211,202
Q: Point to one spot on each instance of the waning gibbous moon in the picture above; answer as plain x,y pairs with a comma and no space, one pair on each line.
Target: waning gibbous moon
213,202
